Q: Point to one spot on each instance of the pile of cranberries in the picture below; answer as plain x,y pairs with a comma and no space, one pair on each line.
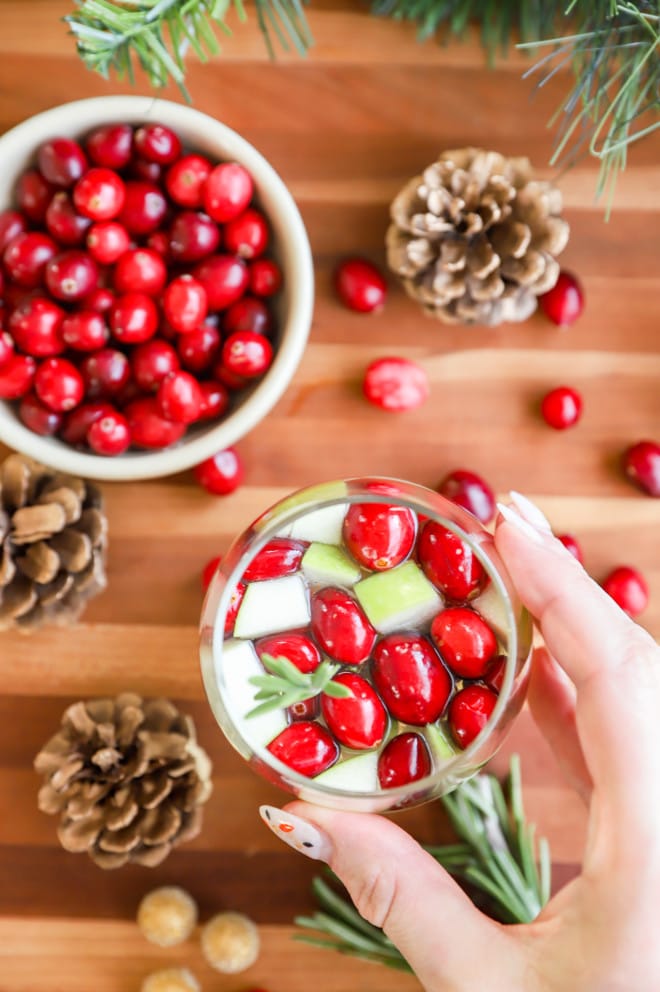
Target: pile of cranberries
135,289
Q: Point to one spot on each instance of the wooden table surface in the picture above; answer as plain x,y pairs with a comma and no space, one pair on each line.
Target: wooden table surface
345,128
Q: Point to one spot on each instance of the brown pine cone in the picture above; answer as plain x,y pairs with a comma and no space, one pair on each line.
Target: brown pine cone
126,778
474,238
52,545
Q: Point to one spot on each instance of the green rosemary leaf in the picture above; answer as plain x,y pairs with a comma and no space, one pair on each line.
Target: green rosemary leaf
341,908
285,669
338,691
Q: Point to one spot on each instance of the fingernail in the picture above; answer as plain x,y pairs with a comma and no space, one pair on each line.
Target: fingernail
530,512
299,834
520,523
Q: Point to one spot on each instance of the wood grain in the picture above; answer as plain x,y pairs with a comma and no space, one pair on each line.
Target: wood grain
345,128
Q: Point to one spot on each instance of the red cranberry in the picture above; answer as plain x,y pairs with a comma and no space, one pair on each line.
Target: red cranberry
78,422
247,235
641,463
469,490
109,434
36,327
298,648
16,376
209,571
227,191
151,362
379,536
11,225
38,417
340,626
306,747
133,318
280,557
71,275
179,397
160,242
150,172
104,373
99,299
469,712
185,304
561,407
227,378
107,241
571,544
360,285
247,354
359,721
465,641
411,679
396,384
61,161
85,330
564,303
494,677
59,384
198,349
110,146
404,759
33,194
449,563
215,400
148,429
144,208
265,277
157,143
248,314
186,178
140,270
221,474
224,278
193,236
6,348
628,589
100,194
63,223
26,257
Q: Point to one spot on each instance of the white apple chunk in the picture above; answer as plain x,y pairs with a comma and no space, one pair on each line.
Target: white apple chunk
359,774
328,565
323,526
271,606
240,663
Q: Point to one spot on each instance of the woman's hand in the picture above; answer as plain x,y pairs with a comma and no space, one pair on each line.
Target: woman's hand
598,705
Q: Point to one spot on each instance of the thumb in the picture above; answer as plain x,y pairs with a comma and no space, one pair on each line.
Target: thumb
395,884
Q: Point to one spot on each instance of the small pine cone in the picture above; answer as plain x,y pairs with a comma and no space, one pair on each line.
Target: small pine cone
474,238
52,545
126,778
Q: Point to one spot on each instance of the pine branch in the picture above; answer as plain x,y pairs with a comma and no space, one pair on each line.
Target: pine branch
497,859
285,685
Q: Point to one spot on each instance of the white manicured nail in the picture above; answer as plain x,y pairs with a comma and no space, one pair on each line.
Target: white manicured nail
530,512
299,834
513,518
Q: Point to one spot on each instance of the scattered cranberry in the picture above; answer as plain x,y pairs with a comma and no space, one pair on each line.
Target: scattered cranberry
449,563
151,362
63,223
186,178
248,314
641,463
340,627
404,759
193,236
379,536
85,330
411,679
469,712
179,397
11,225
140,270
564,303
247,354
26,257
157,143
396,384
227,192
99,299
299,649
71,275
78,422
99,194
224,278
61,161
107,242
104,373
148,428
144,208
360,285
39,418
59,384
628,589
247,235
227,378
133,318
278,558
16,376
571,544
209,571
111,146
469,490
150,172
198,349
265,277
185,303
221,474
6,347
33,194
305,747
109,434
561,407
215,400
36,327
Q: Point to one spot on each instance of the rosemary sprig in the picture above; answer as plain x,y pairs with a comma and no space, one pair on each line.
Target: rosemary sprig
496,857
286,685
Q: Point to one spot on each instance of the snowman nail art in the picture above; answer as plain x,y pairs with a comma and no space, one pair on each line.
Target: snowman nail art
299,834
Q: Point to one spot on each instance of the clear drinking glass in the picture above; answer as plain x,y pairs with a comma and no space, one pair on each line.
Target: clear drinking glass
317,512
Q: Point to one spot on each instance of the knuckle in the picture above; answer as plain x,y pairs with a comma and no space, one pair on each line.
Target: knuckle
375,895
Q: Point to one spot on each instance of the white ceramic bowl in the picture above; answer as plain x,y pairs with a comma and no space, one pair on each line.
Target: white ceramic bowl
202,133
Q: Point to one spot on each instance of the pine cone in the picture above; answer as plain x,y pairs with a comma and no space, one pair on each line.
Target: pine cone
52,545
474,238
127,779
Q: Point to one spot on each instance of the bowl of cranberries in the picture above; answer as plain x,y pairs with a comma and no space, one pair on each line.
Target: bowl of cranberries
362,645
156,284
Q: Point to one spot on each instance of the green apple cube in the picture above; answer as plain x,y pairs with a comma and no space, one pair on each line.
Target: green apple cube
326,564
359,774
441,744
239,663
273,605
401,597
323,526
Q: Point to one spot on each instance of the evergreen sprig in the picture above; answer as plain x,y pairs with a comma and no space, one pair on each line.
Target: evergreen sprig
285,685
497,858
